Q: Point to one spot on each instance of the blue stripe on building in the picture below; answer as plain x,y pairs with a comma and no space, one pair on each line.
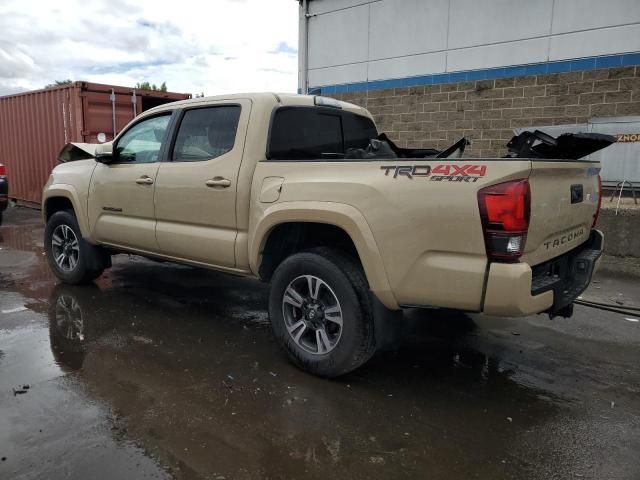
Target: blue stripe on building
572,65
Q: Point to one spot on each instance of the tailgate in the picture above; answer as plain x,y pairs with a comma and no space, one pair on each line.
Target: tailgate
564,200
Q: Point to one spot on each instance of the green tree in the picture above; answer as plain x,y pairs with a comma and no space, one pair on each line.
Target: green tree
58,83
152,86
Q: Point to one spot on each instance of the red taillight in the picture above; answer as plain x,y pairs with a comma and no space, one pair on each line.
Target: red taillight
595,217
3,170
505,209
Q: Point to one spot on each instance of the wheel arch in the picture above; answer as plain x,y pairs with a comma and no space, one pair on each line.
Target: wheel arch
61,197
349,225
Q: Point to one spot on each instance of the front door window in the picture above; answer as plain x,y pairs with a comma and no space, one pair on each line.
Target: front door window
142,142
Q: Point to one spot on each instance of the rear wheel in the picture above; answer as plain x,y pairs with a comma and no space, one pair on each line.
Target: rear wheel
321,313
72,259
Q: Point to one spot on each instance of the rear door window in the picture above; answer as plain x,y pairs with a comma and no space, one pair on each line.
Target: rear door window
305,133
206,133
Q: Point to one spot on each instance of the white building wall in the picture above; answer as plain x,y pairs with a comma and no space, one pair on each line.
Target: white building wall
364,40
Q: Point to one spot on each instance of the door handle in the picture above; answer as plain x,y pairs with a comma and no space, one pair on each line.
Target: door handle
144,180
218,182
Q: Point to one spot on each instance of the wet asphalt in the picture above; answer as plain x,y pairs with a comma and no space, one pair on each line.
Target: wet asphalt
164,371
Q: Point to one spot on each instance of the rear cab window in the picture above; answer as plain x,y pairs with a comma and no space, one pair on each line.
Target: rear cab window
307,133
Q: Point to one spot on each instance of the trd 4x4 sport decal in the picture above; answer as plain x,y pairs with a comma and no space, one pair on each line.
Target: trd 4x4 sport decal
439,173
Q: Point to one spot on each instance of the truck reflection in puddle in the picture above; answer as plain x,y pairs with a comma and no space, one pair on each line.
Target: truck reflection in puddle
205,393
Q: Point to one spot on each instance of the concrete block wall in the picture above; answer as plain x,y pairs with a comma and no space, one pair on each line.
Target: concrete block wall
487,111
621,230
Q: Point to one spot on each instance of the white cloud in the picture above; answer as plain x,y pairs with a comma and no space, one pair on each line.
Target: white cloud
213,46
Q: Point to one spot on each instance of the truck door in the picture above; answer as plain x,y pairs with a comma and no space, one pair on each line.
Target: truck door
195,194
121,210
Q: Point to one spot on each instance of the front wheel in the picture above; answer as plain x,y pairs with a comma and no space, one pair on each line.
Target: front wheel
72,259
321,313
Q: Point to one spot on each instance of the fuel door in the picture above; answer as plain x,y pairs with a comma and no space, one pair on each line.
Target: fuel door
271,188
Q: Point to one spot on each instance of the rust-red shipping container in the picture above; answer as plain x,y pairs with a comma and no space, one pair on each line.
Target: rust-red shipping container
34,126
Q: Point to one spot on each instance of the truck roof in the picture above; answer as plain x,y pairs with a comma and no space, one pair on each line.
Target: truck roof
284,99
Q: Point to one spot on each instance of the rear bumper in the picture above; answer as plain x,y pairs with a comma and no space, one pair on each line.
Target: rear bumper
4,191
516,289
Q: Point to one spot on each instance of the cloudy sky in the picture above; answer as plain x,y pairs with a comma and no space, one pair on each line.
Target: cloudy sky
210,46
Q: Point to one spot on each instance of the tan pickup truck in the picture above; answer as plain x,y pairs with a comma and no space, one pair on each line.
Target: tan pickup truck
304,192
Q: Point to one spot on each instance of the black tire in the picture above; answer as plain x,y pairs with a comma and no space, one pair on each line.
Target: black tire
0,219
91,260
344,276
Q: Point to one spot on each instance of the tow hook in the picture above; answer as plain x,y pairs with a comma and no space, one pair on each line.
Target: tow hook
564,312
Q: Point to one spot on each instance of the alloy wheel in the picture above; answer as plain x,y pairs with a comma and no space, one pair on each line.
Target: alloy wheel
65,248
312,314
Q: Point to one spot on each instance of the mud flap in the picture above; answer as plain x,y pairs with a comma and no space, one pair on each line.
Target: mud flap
96,257
387,324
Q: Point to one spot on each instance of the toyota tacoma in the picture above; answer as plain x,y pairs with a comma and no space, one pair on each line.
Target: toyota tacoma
304,192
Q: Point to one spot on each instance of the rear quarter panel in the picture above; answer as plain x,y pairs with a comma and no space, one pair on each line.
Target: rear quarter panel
426,228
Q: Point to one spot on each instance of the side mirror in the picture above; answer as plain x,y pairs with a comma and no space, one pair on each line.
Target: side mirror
104,153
